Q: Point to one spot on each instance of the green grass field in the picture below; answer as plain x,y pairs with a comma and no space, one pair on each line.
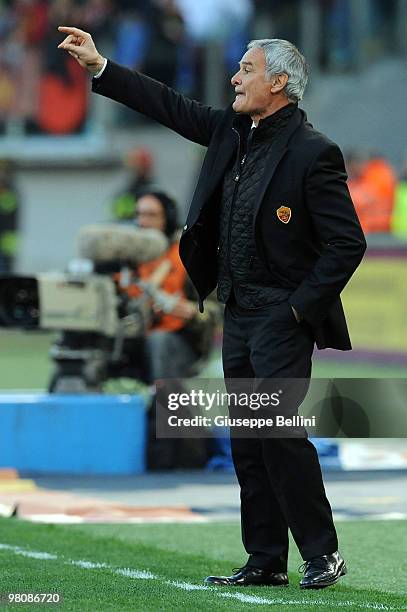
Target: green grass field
24,363
161,566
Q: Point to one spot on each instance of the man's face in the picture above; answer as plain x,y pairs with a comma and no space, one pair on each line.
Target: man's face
253,92
150,213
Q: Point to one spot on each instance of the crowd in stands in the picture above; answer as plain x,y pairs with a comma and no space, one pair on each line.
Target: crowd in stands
42,90
164,38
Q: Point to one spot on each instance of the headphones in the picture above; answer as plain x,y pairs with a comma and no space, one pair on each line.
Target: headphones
170,209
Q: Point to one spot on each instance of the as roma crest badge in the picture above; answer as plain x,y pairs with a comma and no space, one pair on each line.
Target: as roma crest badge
284,214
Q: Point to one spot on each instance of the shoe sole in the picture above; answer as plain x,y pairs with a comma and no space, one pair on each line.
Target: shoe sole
322,585
252,584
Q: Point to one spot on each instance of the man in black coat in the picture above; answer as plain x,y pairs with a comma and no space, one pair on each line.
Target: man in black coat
273,226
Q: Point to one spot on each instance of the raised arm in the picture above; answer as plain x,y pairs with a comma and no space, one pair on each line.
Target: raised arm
187,117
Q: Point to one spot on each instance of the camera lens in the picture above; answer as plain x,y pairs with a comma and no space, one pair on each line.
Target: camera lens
19,305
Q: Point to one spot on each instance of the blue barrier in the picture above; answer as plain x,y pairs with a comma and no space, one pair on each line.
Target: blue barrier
73,434
221,461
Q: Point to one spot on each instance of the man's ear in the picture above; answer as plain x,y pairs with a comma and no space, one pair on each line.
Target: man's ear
278,82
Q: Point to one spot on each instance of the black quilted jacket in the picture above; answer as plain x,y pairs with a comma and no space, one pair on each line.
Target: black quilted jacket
305,226
238,262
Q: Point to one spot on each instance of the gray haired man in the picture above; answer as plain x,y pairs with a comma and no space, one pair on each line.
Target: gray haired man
272,225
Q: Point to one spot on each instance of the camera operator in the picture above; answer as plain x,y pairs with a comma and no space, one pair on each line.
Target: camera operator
177,338
178,341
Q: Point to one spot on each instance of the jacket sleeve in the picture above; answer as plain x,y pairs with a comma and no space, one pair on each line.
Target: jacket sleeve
187,117
337,228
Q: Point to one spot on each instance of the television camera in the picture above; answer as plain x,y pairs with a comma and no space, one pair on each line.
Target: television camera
101,328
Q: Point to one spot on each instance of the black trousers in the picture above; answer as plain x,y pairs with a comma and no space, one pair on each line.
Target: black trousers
280,479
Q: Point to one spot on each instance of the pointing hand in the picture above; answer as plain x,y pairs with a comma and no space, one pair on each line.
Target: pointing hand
80,45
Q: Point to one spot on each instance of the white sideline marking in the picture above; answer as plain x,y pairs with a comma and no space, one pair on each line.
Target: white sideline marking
66,519
187,586
28,553
54,518
124,571
37,555
90,564
252,598
132,573
304,602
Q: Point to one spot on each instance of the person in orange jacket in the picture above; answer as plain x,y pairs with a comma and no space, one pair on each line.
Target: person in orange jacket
372,185
380,177
156,210
177,339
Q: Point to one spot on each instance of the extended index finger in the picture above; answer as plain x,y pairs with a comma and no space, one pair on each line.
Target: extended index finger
70,30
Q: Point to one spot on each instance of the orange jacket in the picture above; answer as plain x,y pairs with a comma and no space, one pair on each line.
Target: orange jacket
174,282
366,203
373,194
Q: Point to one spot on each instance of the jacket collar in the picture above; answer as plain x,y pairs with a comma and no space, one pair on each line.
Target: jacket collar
210,179
267,127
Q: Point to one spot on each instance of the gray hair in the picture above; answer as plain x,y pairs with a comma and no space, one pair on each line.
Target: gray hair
282,57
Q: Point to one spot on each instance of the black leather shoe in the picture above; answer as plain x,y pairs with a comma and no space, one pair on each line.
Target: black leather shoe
250,576
323,571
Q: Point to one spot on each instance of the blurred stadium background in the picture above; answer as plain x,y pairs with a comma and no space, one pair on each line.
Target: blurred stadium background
68,158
